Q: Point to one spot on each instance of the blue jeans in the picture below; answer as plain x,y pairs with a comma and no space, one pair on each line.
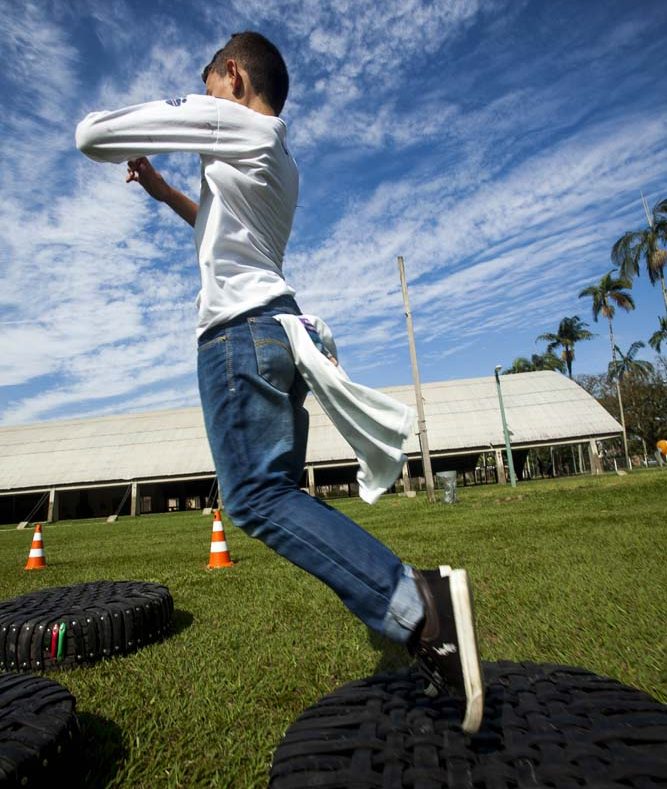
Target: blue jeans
252,398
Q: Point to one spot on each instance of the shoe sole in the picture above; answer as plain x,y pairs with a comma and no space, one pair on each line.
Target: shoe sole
462,604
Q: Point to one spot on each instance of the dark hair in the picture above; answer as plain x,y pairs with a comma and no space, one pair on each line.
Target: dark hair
263,62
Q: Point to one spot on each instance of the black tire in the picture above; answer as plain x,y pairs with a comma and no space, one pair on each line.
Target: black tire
92,620
38,726
543,726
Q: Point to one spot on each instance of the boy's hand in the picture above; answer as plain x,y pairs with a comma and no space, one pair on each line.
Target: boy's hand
142,171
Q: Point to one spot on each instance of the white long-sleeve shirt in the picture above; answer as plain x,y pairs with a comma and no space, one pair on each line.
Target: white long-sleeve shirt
249,189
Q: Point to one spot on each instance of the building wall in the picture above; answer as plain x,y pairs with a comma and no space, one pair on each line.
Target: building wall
90,455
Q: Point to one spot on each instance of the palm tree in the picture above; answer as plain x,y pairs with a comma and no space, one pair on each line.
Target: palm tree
547,361
537,362
658,337
635,245
627,365
608,294
519,365
570,332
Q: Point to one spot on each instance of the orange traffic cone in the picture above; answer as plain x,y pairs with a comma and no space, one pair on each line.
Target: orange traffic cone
36,560
219,552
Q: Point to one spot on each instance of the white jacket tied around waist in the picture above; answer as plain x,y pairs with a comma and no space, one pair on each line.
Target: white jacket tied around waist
374,424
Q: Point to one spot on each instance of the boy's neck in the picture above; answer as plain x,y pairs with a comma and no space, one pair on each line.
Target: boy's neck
259,105
237,87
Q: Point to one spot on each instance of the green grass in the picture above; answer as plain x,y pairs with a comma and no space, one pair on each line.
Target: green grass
569,571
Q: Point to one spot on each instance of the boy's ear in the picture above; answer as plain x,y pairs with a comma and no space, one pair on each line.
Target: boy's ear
234,76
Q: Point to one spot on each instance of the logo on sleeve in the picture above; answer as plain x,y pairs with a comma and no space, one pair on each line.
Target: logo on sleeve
176,102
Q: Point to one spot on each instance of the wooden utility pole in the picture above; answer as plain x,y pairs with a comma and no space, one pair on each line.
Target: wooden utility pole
423,437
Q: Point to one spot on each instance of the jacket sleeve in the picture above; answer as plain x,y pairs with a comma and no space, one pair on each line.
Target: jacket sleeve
194,124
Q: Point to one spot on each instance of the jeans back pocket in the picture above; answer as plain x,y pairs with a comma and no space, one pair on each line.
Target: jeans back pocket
275,363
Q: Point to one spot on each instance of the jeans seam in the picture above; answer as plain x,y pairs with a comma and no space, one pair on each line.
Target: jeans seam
211,343
260,342
230,366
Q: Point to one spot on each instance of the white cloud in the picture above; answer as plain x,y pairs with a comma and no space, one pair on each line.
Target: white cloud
97,283
38,56
514,241
97,289
503,202
347,57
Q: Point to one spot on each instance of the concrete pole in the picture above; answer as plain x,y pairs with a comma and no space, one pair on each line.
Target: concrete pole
311,480
628,464
423,436
506,432
134,503
500,467
596,462
53,514
406,477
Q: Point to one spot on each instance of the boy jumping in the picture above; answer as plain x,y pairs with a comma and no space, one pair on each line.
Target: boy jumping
252,396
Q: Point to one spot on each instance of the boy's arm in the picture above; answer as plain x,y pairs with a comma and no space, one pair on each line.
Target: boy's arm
190,124
142,171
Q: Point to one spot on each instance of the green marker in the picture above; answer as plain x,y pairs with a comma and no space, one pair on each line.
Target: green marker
61,640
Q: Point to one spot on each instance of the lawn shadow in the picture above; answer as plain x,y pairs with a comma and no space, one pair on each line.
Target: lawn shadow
101,752
391,655
180,621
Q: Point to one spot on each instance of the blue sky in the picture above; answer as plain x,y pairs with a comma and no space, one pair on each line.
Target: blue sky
500,147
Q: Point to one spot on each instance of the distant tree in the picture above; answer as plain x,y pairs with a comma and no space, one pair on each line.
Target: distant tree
659,336
537,362
645,400
646,403
625,365
610,292
547,361
645,244
519,365
597,385
570,332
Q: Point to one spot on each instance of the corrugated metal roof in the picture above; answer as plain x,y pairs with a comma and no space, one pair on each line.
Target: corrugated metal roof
460,415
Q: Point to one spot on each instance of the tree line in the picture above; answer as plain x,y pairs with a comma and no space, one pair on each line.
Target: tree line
632,389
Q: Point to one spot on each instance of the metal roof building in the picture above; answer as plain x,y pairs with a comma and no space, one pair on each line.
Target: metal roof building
147,449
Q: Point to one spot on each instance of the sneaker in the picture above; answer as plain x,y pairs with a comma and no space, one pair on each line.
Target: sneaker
446,645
